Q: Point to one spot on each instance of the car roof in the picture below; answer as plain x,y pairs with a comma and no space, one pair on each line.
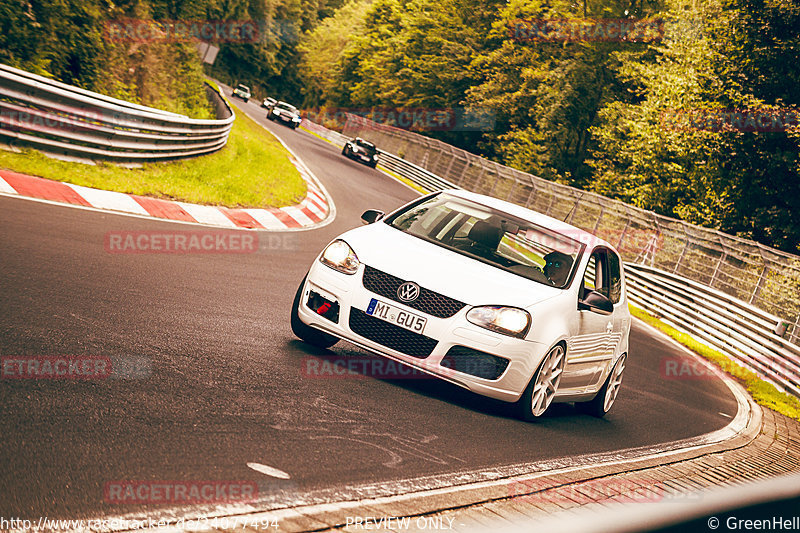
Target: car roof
286,104
540,219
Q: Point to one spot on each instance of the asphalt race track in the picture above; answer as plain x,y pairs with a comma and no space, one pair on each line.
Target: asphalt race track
221,379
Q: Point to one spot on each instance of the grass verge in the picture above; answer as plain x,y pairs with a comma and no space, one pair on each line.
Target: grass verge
253,170
765,394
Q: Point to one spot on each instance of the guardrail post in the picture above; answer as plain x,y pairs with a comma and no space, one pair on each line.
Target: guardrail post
530,195
716,269
680,257
511,191
574,209
463,172
757,289
599,218
622,235
552,201
449,165
438,157
794,335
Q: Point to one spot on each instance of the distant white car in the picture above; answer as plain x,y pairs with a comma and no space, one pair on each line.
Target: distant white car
490,296
286,114
242,91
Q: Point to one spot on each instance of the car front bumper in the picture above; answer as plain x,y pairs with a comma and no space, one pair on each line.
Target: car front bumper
351,299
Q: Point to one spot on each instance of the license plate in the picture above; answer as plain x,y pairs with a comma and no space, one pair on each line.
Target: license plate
397,316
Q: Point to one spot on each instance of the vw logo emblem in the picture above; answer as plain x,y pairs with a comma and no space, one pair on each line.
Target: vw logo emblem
408,291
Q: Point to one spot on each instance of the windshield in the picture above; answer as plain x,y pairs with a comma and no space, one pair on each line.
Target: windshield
243,88
366,145
286,107
493,237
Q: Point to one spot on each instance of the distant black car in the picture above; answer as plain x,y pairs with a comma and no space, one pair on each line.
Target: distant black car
361,150
242,91
285,113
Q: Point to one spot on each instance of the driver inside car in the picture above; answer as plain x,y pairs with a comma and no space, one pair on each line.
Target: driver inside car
556,267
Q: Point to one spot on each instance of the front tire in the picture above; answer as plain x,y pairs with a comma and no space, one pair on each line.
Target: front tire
305,332
604,400
542,388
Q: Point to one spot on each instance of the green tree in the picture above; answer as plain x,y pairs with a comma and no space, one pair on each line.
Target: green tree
741,182
322,50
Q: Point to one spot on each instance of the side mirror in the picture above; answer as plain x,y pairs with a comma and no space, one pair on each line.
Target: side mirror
372,215
596,303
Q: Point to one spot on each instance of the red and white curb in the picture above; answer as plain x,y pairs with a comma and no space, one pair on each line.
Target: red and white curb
312,211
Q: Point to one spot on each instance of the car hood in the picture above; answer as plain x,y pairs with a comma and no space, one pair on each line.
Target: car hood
444,271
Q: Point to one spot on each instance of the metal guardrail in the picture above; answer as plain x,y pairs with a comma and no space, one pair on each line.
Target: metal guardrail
743,332
333,136
58,118
418,175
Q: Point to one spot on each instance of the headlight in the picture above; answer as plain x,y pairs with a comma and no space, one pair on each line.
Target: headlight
506,320
297,119
339,256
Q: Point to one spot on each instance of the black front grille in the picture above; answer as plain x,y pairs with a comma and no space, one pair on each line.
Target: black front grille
474,362
428,301
391,336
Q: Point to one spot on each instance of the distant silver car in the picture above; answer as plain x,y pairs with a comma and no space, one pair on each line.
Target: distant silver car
485,294
268,102
242,91
286,114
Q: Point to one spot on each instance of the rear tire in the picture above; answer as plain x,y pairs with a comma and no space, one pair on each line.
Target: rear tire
607,395
542,388
305,332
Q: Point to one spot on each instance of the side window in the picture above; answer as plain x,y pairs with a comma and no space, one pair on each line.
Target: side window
590,277
615,277
603,275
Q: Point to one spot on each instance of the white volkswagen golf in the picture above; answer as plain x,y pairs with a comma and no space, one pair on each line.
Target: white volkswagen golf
488,295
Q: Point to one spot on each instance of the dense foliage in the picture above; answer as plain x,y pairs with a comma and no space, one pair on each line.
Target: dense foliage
603,115
596,114
70,41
